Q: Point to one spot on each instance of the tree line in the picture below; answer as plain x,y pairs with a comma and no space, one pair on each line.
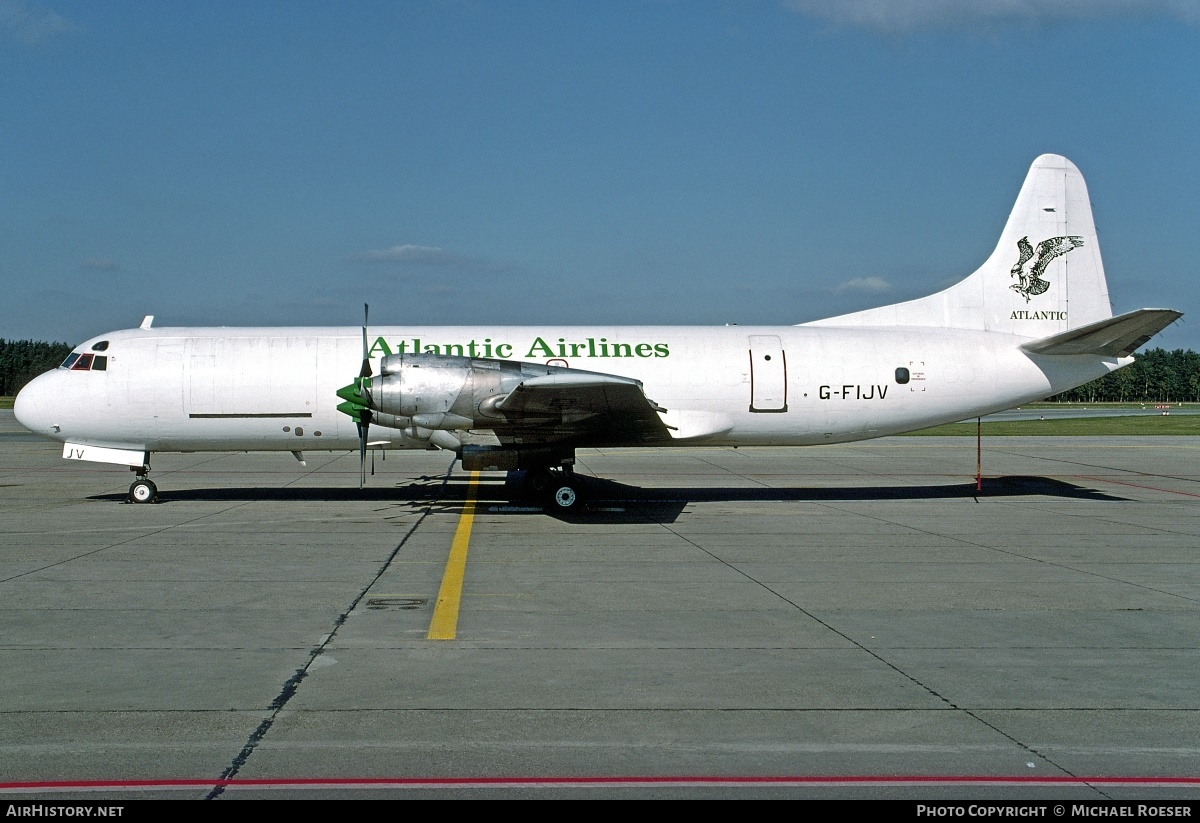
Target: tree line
23,360
1156,376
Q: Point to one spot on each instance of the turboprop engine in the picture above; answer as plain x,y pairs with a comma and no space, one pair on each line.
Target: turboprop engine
447,392
426,390
466,405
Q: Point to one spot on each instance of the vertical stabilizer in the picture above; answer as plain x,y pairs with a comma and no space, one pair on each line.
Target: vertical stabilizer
1044,277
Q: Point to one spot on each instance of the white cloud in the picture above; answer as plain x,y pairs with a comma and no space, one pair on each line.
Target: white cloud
32,24
873,285
101,264
903,16
408,253
412,254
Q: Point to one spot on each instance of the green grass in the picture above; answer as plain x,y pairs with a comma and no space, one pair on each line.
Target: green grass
1180,424
6,402
1135,405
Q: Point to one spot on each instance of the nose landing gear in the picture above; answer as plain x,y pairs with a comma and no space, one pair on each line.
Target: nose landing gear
143,489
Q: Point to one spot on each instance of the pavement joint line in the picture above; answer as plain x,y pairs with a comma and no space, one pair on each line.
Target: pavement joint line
151,533
1013,452
880,658
962,539
293,683
1069,524
725,470
444,623
146,533
1140,486
1151,530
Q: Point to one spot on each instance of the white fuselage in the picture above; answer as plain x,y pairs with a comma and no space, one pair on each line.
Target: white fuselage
273,389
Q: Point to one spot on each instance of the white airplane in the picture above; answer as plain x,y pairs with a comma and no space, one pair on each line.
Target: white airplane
1032,321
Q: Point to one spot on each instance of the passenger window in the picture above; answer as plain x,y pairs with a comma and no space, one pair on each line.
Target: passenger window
902,375
83,363
100,363
70,361
101,346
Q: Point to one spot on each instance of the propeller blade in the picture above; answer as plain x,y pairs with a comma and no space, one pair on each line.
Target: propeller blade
366,364
366,315
364,421
364,427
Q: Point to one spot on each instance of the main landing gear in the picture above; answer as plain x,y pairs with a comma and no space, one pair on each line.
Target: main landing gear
557,488
143,489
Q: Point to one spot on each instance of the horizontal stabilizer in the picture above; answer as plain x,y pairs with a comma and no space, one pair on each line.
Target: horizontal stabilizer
1114,337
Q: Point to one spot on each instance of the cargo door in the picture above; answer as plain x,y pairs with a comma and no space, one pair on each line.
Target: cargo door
768,374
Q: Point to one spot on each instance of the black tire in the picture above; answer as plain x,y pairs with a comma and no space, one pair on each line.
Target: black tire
143,491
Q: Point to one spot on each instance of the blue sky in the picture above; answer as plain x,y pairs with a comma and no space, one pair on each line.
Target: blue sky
749,161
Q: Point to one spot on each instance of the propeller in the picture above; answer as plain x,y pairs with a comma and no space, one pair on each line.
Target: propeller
356,405
364,418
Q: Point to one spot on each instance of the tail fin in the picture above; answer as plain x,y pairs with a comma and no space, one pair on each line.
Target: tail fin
1045,276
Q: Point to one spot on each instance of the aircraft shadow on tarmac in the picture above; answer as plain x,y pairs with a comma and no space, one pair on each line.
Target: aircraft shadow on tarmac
608,501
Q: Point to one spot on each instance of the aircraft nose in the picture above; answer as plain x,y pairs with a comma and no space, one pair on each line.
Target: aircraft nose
34,405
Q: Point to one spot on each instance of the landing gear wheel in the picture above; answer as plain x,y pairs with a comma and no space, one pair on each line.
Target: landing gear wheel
566,496
143,491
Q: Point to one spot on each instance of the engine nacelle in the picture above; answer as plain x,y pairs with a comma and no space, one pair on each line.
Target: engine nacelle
425,385
446,392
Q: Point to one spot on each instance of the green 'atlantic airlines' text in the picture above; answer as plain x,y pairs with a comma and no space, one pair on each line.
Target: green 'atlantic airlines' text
540,347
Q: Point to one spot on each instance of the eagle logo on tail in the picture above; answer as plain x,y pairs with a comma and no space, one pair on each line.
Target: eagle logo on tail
1030,282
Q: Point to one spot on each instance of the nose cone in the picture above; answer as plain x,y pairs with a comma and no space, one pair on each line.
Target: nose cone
35,405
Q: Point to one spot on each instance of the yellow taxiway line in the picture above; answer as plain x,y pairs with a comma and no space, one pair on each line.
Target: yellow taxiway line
444,625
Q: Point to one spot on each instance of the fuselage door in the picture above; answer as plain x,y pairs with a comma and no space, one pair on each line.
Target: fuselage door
251,377
768,374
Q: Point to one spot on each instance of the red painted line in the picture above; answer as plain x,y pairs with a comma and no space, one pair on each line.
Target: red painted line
652,780
1137,485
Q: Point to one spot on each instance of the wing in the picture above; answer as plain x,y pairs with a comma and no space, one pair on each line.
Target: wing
519,403
580,407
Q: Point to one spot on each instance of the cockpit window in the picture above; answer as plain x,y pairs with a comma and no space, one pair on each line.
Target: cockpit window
85,362
100,346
